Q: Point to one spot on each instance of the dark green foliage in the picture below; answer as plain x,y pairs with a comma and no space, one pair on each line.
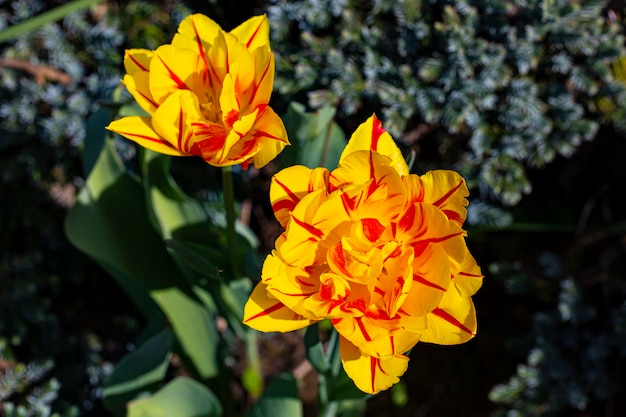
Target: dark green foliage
53,358
515,84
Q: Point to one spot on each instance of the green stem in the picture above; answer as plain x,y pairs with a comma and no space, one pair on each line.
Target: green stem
229,206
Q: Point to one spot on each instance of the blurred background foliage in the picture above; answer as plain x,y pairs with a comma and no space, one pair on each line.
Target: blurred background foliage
526,99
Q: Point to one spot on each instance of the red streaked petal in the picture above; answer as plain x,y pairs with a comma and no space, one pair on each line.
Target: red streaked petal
267,314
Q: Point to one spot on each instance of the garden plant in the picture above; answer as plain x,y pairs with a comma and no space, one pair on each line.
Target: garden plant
312,208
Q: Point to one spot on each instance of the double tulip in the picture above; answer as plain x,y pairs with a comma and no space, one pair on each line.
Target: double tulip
206,94
378,251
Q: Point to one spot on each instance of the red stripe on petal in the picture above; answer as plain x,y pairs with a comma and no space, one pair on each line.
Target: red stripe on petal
393,345
372,229
467,274
147,98
373,365
309,228
254,34
258,82
377,131
422,280
437,239
362,328
265,312
150,138
447,195
180,83
349,203
453,215
287,191
452,320
137,63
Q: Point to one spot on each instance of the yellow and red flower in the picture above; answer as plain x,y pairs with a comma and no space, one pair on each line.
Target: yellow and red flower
206,94
378,251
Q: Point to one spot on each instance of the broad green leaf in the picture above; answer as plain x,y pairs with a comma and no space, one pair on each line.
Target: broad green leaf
139,371
182,397
316,140
197,257
109,222
280,399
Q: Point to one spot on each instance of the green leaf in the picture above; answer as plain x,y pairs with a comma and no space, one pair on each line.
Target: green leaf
139,371
109,222
315,349
36,22
197,257
316,140
280,399
182,397
94,137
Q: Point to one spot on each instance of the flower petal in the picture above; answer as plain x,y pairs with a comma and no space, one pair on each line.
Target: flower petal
269,131
174,69
453,324
371,374
291,184
196,32
431,279
139,129
254,32
446,190
372,136
266,314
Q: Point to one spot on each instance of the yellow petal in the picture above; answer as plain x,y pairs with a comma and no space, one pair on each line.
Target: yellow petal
269,131
254,32
137,60
377,337
139,129
173,69
169,121
290,185
453,324
371,374
138,85
258,92
289,285
424,224
431,279
226,50
370,135
300,247
468,279
446,190
266,314
196,32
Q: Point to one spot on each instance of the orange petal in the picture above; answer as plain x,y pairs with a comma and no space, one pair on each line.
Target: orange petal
266,314
371,374
139,129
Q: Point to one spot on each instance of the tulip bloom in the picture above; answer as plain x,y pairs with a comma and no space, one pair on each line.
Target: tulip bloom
206,94
378,251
